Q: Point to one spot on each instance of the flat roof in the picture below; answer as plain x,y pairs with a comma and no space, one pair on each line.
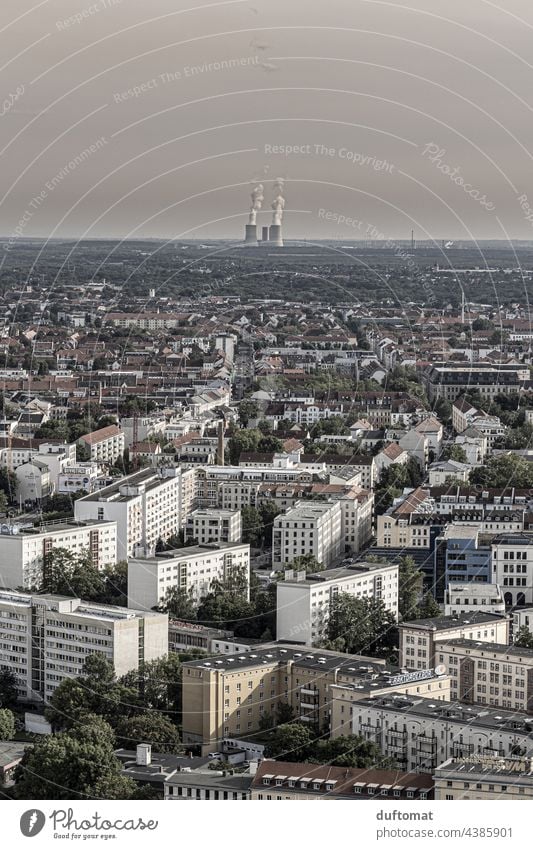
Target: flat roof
456,712
491,648
341,572
445,623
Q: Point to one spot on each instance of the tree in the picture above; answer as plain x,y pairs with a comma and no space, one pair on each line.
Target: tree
157,685
524,638
428,608
268,512
290,741
77,764
66,573
179,604
351,751
455,452
502,471
242,441
410,581
306,563
361,626
252,526
248,409
8,689
7,724
152,728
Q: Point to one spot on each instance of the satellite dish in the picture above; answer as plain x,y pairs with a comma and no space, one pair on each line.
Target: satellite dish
440,669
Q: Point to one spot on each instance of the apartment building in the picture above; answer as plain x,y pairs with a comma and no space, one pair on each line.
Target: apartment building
192,569
45,639
184,636
229,696
421,639
310,527
205,525
357,506
422,732
452,380
279,780
147,506
105,445
484,777
512,567
234,487
488,674
304,601
23,549
33,482
77,477
472,597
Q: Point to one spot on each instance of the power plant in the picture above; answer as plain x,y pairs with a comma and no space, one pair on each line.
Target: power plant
273,235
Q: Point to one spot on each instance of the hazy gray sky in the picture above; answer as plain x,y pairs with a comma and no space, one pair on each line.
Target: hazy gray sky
401,116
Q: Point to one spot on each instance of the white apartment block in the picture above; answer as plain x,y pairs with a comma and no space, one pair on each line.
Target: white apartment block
512,567
45,639
419,638
205,526
310,527
234,487
303,603
488,674
23,549
192,569
472,597
106,445
422,732
147,506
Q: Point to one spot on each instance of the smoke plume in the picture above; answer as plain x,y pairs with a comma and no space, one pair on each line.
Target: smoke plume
278,204
257,202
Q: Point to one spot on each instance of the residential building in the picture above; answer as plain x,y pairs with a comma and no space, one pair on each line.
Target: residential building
45,639
212,785
448,470
512,567
421,732
484,777
470,597
77,477
279,780
33,482
187,636
488,674
452,380
462,553
212,525
431,428
23,549
105,445
148,506
419,638
304,601
230,696
192,569
310,527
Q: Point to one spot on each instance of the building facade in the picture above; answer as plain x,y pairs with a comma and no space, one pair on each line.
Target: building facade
309,528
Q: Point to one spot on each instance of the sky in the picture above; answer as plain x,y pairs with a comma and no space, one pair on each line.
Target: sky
128,119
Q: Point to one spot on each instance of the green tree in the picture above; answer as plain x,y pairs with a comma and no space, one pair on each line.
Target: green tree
151,728
524,638
268,512
306,563
361,626
66,573
351,751
242,441
157,685
504,471
252,526
8,689
428,608
179,604
77,764
410,581
455,452
248,409
7,724
290,742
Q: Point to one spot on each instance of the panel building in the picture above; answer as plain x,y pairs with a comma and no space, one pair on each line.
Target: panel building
304,601
23,549
310,527
192,569
45,639
419,638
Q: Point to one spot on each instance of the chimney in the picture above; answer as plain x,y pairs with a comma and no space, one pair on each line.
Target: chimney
220,446
144,754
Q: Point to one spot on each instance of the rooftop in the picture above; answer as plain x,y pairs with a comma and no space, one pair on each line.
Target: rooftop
445,623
